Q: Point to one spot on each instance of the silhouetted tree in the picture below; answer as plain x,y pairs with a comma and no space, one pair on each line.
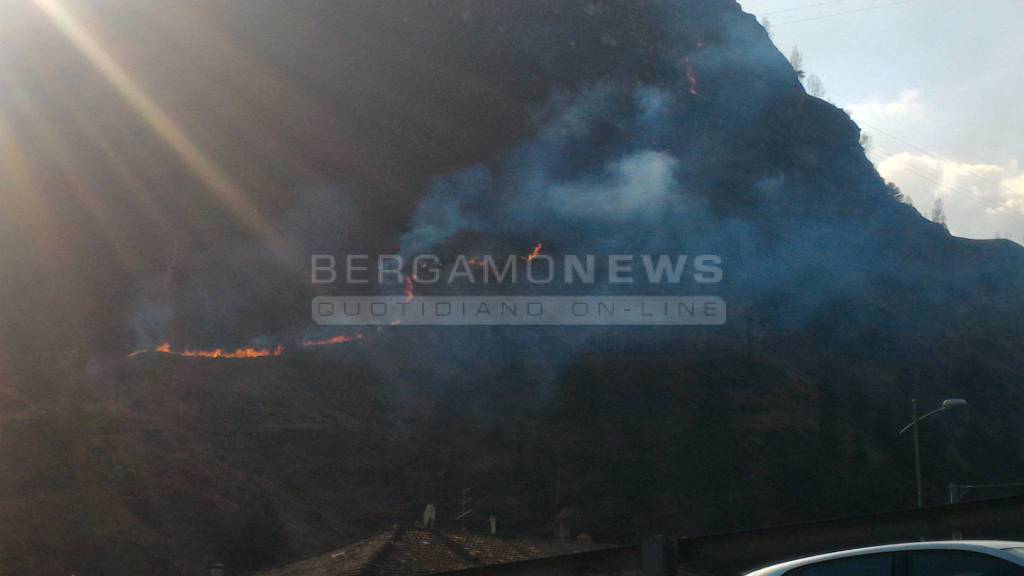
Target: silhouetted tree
939,213
895,193
865,141
796,60
815,87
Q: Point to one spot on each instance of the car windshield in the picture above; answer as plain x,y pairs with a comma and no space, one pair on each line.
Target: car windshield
1016,551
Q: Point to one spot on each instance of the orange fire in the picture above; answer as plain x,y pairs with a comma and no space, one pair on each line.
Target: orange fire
410,291
534,254
332,341
691,77
243,353
239,353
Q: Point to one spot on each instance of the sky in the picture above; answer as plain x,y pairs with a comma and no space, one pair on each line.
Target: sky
936,84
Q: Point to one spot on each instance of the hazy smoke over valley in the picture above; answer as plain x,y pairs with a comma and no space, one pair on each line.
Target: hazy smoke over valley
681,143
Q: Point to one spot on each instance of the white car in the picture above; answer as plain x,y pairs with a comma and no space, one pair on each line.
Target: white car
955,558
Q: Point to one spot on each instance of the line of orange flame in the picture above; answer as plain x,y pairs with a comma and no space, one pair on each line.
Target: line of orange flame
535,253
410,291
691,77
245,353
332,341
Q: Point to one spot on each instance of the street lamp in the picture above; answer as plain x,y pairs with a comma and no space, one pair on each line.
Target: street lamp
948,404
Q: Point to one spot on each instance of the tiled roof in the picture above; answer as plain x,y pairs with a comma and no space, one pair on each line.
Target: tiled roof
349,561
418,551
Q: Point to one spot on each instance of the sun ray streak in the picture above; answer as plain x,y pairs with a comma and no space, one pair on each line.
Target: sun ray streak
202,167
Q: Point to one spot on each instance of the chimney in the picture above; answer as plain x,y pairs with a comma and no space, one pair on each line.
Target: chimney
429,516
494,525
216,569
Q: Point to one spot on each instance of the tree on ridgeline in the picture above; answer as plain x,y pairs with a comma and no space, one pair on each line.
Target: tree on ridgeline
796,60
939,213
895,193
865,141
815,87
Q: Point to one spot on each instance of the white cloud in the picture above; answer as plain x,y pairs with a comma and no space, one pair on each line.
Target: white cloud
981,200
907,106
1014,188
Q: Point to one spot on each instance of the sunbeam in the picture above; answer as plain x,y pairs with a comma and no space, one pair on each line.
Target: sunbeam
212,176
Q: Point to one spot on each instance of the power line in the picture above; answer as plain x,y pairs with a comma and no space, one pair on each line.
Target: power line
844,13
949,187
936,156
942,186
805,6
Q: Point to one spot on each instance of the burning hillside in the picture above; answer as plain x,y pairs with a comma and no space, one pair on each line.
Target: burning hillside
216,353
332,341
246,353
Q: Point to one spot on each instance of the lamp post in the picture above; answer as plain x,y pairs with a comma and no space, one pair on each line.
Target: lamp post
948,404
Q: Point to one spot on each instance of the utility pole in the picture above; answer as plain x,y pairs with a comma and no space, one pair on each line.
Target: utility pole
917,456
947,404
464,510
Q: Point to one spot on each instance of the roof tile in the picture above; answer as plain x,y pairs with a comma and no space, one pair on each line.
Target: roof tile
418,551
